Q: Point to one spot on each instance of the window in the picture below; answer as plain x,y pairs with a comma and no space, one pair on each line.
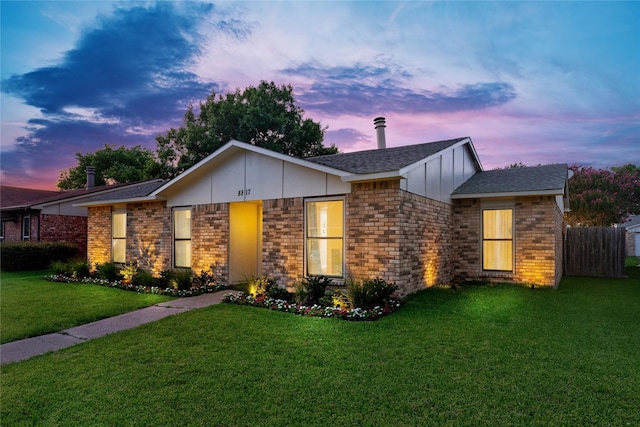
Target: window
2,231
182,237
497,239
118,237
325,237
26,227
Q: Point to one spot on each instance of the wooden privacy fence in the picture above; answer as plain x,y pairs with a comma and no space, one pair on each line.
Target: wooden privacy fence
595,251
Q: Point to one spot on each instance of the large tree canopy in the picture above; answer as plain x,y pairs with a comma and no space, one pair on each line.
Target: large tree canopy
265,116
600,197
112,165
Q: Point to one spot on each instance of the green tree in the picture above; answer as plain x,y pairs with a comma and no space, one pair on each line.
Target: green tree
113,165
265,116
601,197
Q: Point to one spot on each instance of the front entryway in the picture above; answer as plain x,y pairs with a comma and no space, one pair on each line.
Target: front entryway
245,241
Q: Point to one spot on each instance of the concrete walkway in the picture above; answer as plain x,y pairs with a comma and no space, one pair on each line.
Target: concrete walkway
27,348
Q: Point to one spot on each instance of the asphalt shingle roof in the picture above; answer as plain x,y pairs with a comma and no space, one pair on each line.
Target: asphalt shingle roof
131,191
515,180
382,160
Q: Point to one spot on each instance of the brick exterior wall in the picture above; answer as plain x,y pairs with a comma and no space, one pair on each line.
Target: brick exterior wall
149,239
210,239
283,240
426,243
538,252
373,231
13,230
64,228
99,235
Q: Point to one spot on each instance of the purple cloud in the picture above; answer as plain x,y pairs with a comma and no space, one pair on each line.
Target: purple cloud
368,90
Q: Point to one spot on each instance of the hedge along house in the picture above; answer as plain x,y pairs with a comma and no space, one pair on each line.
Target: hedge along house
245,211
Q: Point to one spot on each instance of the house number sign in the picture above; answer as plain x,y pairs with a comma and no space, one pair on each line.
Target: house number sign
244,192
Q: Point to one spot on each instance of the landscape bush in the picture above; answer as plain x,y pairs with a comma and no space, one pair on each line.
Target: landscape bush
369,293
25,256
107,271
311,290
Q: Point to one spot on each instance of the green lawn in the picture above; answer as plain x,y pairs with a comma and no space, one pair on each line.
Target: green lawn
501,355
30,305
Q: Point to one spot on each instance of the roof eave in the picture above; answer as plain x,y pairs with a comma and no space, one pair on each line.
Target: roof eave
151,198
378,176
554,192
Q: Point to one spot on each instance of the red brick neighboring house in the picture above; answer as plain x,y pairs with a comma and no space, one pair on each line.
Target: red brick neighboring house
48,216
416,215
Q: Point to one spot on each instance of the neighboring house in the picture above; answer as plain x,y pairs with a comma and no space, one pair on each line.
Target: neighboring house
416,215
49,216
632,233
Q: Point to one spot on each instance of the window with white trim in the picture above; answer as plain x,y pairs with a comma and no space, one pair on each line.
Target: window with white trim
118,236
497,239
26,227
182,237
324,235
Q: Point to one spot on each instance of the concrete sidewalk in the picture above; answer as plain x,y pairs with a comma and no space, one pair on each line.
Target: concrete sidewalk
27,348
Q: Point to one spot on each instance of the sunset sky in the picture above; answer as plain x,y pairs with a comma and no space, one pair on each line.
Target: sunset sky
531,82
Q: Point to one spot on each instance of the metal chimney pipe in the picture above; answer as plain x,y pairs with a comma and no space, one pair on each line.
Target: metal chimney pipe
379,123
91,177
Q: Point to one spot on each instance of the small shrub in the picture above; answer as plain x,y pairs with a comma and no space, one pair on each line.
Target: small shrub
129,270
370,292
262,285
279,293
107,271
341,300
142,278
166,278
311,290
204,279
182,279
60,267
80,268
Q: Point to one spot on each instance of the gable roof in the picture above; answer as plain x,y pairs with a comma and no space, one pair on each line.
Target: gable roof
383,159
536,180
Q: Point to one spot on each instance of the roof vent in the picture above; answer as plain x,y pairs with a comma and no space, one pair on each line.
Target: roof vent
379,123
91,177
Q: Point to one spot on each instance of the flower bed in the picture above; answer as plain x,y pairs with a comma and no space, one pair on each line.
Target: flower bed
169,291
355,314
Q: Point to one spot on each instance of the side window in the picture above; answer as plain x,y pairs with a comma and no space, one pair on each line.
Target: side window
26,227
325,237
118,237
497,239
182,237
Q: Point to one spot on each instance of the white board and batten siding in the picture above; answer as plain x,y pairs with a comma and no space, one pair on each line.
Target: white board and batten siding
246,176
440,175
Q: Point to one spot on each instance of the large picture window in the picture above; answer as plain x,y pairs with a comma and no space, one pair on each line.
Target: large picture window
118,237
497,239
182,237
325,238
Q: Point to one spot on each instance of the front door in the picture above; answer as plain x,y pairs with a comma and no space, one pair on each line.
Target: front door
245,241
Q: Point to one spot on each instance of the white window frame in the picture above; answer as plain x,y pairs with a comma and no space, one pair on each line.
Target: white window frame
498,207
182,239
114,238
343,238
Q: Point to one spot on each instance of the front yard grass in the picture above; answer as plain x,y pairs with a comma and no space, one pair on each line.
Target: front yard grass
478,355
31,306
